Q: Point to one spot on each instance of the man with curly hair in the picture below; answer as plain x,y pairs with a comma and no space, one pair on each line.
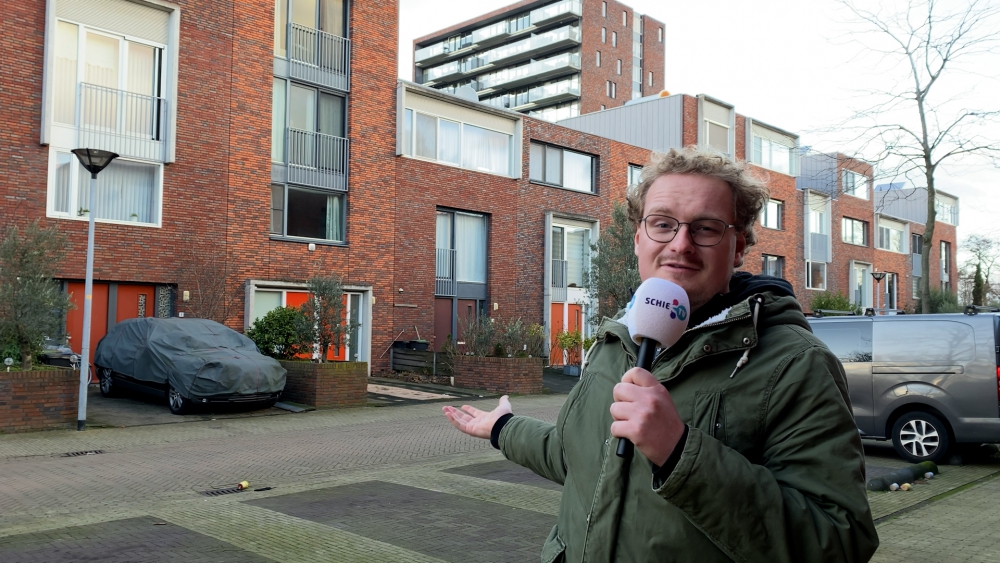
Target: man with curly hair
745,445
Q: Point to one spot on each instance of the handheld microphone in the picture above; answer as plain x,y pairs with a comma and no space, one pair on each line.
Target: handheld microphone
658,317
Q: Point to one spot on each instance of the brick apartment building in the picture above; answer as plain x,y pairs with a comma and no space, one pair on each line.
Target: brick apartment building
549,59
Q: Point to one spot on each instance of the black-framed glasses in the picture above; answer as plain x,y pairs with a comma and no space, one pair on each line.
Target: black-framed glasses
703,232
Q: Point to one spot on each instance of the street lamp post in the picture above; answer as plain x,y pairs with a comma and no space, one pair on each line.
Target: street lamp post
879,276
94,160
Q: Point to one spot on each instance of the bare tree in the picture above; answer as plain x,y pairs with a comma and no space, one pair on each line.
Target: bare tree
984,255
214,293
913,132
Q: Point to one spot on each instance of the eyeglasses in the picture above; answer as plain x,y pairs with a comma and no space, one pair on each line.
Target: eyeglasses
703,232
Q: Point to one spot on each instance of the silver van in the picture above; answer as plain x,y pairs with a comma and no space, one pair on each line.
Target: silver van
926,382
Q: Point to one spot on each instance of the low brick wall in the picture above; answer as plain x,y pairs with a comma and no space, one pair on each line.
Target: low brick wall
500,375
328,385
38,400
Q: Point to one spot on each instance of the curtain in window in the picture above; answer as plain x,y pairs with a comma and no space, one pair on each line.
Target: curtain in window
577,173
100,108
485,150
264,302
331,115
536,162
64,167
331,17
449,144
278,121
408,132
578,254
443,230
553,165
124,189
280,27
67,46
333,217
470,246
426,136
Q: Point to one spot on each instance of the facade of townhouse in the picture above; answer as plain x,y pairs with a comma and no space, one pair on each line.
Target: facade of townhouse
854,229
549,59
256,144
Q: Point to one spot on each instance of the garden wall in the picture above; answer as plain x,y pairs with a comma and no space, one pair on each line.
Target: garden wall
500,375
327,385
38,400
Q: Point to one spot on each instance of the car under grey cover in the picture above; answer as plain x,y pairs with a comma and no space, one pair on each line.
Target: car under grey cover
198,357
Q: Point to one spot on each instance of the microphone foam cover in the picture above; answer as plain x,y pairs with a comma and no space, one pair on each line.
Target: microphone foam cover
659,312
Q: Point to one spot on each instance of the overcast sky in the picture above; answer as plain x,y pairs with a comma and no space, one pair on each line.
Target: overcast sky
788,63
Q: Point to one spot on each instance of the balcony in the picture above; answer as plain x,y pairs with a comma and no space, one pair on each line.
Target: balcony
491,34
452,70
317,160
319,58
132,125
552,93
534,46
444,273
438,52
562,11
538,70
559,292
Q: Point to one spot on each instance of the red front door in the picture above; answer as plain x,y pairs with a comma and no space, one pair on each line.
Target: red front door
98,317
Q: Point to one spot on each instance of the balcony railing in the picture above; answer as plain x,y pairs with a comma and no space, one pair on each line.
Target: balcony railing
317,160
491,33
538,70
559,269
818,244
130,124
556,12
535,45
438,52
319,57
444,273
555,92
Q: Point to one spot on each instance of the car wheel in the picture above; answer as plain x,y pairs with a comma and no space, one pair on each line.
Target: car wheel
108,387
178,404
920,436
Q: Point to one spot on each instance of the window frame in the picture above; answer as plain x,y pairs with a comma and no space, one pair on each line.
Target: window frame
778,260
604,9
809,276
888,228
604,35
854,183
780,213
342,241
614,38
598,59
618,67
708,134
843,230
594,165
410,113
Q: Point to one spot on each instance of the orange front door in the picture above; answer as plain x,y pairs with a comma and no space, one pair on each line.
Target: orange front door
296,299
98,317
134,301
574,314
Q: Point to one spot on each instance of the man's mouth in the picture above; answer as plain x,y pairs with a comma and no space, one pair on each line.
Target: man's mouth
678,266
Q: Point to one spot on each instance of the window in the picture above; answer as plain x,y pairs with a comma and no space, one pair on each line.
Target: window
634,174
659,33
607,88
602,107
891,282
619,67
916,287
561,167
265,299
853,231
718,136
772,155
650,78
855,184
771,215
946,209
307,213
604,9
465,235
459,144
572,246
816,275
598,58
604,35
624,18
614,90
773,265
890,236
945,266
125,191
614,38
917,244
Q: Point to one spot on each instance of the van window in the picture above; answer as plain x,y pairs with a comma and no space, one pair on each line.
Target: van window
850,342
938,342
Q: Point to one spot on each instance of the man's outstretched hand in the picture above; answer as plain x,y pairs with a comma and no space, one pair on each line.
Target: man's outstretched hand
475,422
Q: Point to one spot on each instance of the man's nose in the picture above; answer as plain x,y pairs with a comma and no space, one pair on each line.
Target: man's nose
682,243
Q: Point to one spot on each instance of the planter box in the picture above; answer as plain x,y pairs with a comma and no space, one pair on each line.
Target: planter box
328,385
500,375
573,371
38,400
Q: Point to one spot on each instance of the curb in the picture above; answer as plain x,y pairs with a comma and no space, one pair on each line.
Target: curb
900,476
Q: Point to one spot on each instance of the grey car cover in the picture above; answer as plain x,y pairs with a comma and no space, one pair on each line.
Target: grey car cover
198,357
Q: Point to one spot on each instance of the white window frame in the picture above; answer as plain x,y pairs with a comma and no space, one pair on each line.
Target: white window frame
809,280
598,58
614,38
461,144
618,67
855,183
650,78
864,231
594,172
660,33
74,190
625,18
604,9
604,35
764,214
614,91
891,226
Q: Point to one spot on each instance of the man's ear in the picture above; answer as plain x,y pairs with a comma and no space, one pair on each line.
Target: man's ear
741,248
635,247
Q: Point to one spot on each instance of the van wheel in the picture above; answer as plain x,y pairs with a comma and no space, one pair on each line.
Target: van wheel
178,404
920,436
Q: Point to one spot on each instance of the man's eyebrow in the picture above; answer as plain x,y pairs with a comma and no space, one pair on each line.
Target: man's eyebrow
667,212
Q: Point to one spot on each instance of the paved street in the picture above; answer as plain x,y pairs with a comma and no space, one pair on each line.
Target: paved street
369,484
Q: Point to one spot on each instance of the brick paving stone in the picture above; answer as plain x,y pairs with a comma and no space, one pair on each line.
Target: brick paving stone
506,471
420,520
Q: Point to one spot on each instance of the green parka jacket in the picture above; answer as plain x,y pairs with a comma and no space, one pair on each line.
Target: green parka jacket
772,469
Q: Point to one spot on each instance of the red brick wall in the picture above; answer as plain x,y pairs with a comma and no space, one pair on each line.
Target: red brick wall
653,54
38,400
328,385
500,375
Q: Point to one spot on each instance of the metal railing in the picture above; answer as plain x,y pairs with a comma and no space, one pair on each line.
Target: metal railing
552,11
318,160
547,91
532,44
559,277
319,57
508,75
132,125
818,243
444,273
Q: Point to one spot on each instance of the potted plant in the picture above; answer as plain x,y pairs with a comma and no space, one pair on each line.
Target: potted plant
134,217
570,343
82,212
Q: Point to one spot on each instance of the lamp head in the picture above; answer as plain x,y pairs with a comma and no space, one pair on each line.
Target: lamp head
879,276
94,160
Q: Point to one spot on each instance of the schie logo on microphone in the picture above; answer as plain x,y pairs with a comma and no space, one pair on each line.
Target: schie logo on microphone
679,311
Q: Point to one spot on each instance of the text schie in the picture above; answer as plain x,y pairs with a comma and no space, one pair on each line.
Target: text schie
659,303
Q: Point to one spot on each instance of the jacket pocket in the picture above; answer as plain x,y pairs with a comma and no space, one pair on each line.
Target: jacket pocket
554,548
710,415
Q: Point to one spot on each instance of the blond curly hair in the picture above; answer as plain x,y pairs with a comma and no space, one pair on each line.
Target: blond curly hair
750,194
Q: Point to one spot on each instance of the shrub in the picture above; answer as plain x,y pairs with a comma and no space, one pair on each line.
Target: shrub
534,339
830,301
503,338
570,342
282,333
942,302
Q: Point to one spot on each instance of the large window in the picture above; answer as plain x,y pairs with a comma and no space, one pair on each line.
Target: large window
307,213
572,246
855,184
462,237
945,266
771,215
561,167
329,16
853,231
634,174
772,155
890,235
946,208
125,191
718,136
773,265
455,143
816,275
